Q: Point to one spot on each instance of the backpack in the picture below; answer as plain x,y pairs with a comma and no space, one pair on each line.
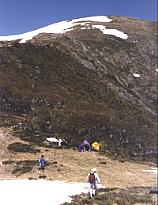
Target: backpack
92,178
42,162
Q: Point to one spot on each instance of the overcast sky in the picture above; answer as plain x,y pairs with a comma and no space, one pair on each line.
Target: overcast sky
19,16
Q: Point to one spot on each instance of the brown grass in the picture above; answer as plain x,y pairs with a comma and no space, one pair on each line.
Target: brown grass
72,165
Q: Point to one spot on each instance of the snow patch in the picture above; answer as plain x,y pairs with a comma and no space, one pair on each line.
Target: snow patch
60,27
65,26
113,32
153,170
52,139
24,192
94,18
136,75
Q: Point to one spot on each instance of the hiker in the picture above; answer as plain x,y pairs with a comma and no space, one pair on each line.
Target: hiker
93,179
96,146
41,163
85,146
59,142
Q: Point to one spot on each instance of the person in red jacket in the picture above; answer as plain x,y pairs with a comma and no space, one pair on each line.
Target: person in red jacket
93,179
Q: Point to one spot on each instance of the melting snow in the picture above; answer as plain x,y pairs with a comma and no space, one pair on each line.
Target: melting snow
65,26
153,170
136,75
39,192
113,32
94,18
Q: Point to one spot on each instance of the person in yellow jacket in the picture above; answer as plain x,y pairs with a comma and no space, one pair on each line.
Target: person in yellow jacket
96,146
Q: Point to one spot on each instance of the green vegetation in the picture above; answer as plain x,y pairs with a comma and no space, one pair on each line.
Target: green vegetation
130,196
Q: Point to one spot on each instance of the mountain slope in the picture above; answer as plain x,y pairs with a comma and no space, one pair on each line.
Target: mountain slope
96,80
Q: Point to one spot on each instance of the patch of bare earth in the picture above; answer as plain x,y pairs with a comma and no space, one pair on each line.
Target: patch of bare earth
125,182
70,165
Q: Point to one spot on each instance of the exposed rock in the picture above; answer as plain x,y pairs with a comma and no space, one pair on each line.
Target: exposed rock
19,147
82,82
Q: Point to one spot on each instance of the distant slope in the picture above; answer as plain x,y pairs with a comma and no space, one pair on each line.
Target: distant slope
83,83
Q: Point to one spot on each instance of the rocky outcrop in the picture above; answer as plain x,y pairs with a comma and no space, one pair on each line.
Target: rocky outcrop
83,83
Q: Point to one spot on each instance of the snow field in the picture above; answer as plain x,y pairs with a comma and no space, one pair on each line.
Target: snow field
24,192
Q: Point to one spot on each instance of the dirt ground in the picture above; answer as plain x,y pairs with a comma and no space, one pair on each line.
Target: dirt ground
71,165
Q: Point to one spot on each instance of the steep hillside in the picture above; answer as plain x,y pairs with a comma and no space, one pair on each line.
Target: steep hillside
84,84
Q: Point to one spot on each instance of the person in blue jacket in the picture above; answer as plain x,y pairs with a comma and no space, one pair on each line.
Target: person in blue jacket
42,163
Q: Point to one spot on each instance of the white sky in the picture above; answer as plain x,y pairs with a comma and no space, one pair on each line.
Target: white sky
64,26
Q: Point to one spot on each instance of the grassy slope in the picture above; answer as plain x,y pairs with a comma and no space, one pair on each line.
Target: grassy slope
125,182
82,83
